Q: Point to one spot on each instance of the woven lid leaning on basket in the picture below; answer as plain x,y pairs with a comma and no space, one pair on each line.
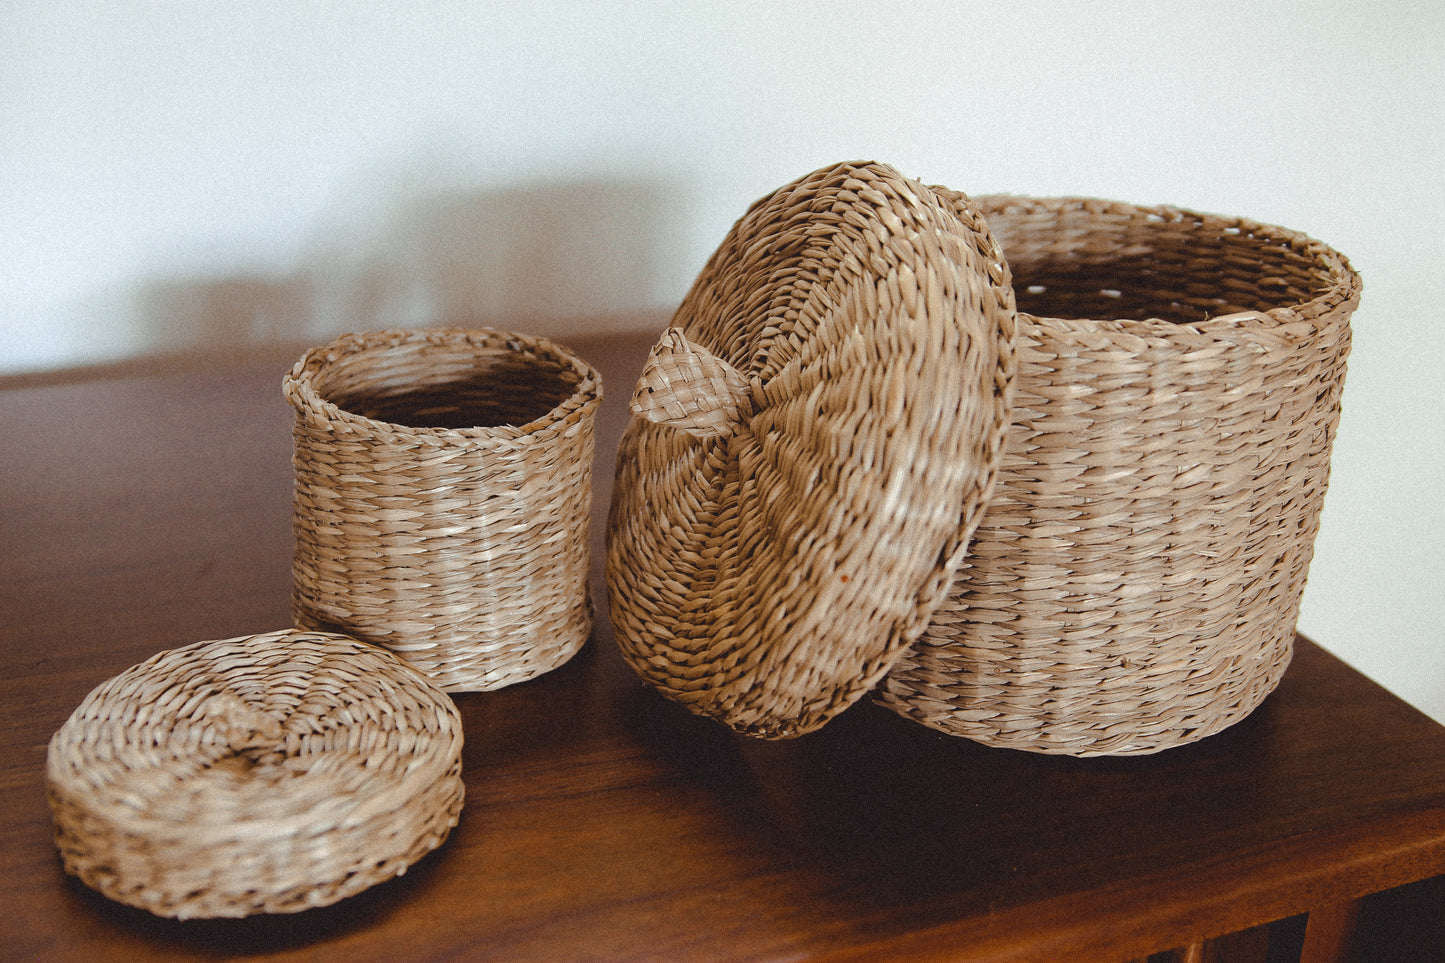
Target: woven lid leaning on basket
812,442
265,774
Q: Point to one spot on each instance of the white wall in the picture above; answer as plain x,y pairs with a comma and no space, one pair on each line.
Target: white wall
177,173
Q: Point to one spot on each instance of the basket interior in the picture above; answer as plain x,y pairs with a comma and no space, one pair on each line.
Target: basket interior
437,386
1076,264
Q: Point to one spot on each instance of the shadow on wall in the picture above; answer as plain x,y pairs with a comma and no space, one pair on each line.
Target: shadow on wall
559,258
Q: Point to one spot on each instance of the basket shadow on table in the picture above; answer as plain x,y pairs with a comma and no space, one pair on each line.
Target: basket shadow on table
902,822
266,934
897,823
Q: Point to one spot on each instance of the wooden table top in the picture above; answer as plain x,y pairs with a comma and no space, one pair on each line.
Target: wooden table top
603,822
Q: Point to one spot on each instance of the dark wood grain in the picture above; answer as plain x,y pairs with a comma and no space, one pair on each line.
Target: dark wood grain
603,822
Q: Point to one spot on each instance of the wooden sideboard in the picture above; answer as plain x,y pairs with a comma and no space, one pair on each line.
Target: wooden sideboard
147,507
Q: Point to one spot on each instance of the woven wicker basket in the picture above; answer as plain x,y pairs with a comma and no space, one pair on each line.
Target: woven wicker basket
266,774
443,492
811,444
1135,581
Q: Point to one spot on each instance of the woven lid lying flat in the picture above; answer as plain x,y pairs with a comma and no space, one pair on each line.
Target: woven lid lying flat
812,444
265,774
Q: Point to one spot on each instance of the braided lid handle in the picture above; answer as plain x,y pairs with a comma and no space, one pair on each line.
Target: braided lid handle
686,386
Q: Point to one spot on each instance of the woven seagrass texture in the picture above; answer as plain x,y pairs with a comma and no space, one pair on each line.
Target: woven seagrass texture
266,774
687,387
773,549
443,491
1135,581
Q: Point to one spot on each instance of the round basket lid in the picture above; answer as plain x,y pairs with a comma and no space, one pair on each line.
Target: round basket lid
812,444
265,774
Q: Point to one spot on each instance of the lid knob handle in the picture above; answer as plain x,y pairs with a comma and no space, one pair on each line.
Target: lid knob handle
690,388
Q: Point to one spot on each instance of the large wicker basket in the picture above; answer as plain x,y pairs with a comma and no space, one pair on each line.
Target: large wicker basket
443,491
266,774
1136,578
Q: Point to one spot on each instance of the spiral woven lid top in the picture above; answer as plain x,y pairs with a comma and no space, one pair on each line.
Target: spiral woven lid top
812,444
271,773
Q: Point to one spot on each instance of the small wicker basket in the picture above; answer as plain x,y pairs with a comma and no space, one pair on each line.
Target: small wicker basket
1136,578
443,493
266,774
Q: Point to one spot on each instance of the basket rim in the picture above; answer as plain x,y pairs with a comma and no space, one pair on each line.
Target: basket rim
299,386
1344,284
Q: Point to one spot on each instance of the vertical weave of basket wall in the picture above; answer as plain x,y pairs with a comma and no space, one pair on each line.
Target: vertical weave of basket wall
1136,579
443,493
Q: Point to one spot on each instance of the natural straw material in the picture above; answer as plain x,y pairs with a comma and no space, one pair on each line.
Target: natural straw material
265,774
687,387
1135,582
443,493
813,440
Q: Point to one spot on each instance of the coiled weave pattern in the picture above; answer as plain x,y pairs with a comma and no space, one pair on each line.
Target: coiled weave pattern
266,774
1136,579
812,442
